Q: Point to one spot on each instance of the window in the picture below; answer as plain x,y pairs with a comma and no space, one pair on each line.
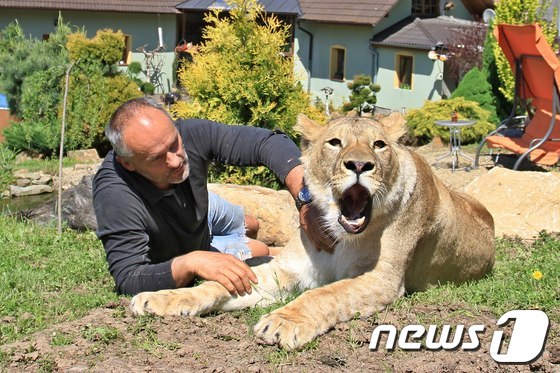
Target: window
127,52
338,61
425,8
404,72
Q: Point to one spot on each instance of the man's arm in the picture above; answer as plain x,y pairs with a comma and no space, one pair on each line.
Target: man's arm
230,272
244,145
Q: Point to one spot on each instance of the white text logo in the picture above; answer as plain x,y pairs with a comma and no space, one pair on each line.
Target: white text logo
526,341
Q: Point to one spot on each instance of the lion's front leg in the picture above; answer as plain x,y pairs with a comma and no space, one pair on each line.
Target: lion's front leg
210,296
197,300
318,310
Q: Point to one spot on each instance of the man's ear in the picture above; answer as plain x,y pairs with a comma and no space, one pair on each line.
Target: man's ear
309,130
124,163
394,126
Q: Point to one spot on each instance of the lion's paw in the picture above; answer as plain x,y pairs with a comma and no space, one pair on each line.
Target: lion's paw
285,329
164,303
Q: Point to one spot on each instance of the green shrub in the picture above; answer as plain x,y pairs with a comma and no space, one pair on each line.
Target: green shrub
421,122
475,87
21,58
39,130
101,52
240,76
148,88
92,98
7,158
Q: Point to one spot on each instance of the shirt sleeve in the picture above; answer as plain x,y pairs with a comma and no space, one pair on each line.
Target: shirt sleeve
121,221
241,145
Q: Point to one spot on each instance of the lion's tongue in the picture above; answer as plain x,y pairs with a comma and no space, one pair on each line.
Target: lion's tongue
354,201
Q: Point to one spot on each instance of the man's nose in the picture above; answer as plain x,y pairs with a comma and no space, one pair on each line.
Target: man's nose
174,159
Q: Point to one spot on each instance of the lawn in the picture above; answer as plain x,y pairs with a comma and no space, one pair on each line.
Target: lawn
50,280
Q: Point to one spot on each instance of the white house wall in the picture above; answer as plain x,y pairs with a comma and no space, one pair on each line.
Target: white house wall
427,80
354,39
359,58
143,29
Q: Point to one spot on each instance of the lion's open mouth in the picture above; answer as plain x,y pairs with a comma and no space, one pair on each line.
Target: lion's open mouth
355,207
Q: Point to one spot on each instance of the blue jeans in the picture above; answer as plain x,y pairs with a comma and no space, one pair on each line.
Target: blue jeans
226,222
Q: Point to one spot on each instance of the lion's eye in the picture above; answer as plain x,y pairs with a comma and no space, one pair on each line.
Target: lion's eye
335,142
379,144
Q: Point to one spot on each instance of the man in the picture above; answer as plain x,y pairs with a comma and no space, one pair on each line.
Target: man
151,200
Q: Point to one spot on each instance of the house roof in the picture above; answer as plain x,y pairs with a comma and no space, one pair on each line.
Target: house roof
362,12
270,6
130,6
421,33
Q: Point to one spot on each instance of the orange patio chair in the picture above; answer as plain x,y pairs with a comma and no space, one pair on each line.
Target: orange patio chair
537,72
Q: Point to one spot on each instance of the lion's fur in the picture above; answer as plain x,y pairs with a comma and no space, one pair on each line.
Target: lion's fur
419,234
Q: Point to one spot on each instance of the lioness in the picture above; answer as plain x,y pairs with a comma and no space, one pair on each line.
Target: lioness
399,228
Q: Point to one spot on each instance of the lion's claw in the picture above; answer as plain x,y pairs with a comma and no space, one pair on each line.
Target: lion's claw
285,331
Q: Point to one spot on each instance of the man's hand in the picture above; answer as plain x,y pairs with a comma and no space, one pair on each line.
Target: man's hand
311,225
230,272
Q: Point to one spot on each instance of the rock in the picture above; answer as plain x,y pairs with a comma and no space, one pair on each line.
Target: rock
21,174
43,180
275,210
22,157
77,208
25,174
23,182
16,191
521,202
437,143
84,156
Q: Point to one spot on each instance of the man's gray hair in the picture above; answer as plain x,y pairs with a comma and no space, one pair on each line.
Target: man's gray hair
120,119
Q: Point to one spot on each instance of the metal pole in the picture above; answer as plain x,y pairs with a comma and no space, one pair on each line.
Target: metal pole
61,151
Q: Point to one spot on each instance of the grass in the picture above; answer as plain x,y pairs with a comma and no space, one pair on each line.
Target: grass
46,279
514,283
49,166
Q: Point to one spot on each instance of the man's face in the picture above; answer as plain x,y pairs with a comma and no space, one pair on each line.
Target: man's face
158,152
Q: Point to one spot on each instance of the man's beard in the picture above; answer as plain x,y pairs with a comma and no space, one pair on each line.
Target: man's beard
185,175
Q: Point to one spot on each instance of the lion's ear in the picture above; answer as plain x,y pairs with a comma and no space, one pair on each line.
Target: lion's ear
394,126
308,129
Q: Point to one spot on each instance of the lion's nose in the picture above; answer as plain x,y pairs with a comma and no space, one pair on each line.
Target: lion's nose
358,166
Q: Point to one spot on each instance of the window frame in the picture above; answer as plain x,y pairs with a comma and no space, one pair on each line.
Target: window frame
425,8
127,51
334,61
399,82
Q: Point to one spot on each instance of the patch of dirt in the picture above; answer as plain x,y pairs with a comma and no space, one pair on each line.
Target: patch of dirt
224,343
111,339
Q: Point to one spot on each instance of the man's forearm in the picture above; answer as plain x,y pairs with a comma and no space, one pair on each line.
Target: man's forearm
294,180
181,271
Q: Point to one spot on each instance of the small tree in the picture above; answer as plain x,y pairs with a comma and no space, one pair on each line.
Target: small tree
475,87
362,97
465,50
21,57
35,84
240,74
